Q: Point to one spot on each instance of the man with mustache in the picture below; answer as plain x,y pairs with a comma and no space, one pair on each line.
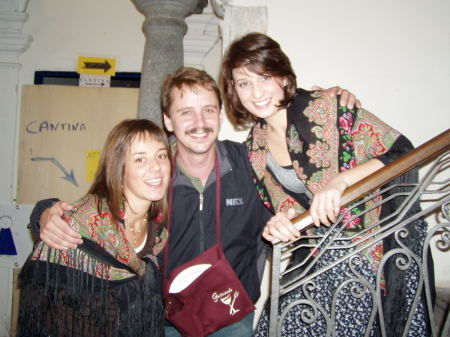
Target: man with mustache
191,105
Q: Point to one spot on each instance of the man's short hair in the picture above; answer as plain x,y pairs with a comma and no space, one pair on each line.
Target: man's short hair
187,77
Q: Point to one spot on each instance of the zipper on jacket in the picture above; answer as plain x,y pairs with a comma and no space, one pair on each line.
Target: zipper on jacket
201,202
202,229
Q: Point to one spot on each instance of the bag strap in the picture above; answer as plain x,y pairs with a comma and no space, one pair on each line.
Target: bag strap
169,216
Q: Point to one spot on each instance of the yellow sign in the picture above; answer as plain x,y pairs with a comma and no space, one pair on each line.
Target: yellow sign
96,66
92,162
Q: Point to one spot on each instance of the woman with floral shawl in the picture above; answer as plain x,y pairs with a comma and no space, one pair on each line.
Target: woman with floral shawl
305,150
110,285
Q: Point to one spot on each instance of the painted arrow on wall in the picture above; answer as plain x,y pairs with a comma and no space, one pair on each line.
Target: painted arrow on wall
70,177
98,65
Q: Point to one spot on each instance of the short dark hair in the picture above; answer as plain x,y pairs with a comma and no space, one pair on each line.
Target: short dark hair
187,77
262,55
108,182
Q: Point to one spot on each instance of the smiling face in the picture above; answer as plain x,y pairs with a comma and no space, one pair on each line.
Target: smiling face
194,117
146,171
259,94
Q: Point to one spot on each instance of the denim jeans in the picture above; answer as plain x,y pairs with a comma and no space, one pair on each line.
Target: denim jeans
243,328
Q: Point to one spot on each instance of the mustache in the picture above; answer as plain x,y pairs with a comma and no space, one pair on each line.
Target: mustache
199,130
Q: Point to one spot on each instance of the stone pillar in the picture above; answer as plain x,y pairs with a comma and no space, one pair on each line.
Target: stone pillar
164,28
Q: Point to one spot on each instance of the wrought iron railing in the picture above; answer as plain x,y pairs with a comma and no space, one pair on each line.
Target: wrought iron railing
335,286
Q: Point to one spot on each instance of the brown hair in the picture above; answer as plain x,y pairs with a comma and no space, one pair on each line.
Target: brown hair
108,182
187,77
260,54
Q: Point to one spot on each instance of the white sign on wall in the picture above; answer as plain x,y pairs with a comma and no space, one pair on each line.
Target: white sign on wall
16,237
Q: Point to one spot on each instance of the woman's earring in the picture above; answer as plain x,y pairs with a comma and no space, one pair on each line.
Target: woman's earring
285,83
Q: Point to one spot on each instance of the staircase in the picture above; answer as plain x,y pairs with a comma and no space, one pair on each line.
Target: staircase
376,279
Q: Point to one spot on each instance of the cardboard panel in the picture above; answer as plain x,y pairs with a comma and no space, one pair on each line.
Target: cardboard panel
62,130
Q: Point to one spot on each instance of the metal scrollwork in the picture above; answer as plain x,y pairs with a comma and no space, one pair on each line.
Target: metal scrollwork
358,281
444,242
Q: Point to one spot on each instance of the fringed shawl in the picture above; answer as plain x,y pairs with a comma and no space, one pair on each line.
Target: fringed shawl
102,288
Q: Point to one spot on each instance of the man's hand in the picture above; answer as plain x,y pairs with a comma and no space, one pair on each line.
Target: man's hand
347,98
280,228
54,231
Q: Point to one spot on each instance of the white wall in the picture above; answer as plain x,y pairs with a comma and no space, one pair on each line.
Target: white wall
394,55
63,30
391,54
9,73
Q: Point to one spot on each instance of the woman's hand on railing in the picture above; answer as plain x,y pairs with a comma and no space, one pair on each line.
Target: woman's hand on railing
326,203
359,188
325,206
280,228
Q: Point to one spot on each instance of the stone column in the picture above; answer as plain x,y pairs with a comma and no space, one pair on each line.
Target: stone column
164,28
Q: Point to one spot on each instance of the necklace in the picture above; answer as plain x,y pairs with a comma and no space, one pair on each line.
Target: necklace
135,227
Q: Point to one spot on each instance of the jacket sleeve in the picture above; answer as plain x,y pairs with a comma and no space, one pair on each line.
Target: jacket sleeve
401,147
40,207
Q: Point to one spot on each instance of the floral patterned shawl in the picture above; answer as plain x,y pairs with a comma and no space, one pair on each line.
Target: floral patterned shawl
323,139
100,289
102,229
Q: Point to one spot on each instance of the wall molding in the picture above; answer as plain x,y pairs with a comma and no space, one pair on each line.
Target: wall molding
201,36
12,41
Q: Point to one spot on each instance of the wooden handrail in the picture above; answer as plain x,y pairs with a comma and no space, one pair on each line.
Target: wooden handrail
419,155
